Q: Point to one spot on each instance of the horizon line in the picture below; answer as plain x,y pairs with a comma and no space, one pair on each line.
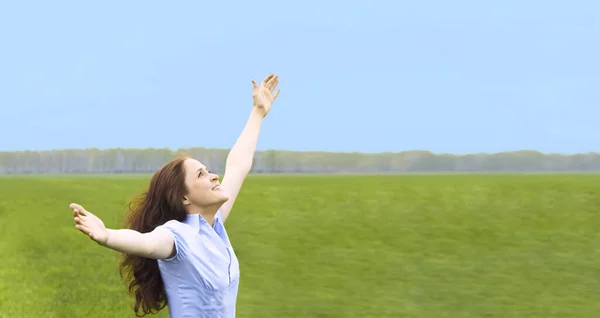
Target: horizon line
183,149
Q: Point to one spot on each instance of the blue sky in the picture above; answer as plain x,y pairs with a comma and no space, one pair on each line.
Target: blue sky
444,76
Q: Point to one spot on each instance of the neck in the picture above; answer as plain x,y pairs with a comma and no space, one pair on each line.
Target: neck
207,213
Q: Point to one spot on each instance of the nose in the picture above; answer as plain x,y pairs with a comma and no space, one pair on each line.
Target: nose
214,177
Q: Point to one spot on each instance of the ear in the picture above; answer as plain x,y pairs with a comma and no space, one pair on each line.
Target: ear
186,201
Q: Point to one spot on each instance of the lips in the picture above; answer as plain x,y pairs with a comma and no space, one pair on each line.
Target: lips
217,187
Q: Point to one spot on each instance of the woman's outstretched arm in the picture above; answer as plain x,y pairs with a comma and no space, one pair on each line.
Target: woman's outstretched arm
157,244
239,160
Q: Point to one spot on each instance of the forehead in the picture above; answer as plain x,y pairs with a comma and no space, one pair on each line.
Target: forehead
192,165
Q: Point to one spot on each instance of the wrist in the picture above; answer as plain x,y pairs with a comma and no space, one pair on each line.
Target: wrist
258,111
105,243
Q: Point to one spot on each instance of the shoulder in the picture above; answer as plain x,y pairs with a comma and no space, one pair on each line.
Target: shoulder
181,234
178,229
172,224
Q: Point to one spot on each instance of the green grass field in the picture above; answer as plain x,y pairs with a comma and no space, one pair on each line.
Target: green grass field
332,246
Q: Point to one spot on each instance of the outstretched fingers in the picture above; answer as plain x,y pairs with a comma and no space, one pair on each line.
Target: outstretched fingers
83,229
79,216
272,82
77,209
267,79
269,83
80,221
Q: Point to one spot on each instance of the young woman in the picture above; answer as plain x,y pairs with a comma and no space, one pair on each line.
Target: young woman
177,252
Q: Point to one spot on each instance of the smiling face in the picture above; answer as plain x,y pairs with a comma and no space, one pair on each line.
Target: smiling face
202,187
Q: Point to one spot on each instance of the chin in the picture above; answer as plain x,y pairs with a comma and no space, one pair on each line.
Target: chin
222,197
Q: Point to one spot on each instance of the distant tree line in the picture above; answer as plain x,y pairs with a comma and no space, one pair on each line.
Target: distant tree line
95,161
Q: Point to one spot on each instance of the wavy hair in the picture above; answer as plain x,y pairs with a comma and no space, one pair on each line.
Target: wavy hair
162,202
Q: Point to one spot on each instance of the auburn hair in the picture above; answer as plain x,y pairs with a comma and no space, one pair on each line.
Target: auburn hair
162,202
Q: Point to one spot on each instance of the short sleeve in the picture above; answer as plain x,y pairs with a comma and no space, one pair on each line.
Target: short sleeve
178,233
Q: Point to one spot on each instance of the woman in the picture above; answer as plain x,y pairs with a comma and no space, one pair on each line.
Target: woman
176,249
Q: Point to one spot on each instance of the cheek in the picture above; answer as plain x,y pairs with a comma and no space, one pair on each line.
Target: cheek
195,184
200,190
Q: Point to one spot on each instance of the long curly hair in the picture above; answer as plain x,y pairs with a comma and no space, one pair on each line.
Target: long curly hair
162,202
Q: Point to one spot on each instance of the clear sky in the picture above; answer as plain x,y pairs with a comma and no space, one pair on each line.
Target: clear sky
445,76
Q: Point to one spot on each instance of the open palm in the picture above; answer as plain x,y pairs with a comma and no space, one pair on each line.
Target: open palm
89,224
263,95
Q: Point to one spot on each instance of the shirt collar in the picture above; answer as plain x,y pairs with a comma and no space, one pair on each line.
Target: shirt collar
197,221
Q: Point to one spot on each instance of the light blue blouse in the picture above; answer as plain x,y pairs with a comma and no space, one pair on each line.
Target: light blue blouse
202,279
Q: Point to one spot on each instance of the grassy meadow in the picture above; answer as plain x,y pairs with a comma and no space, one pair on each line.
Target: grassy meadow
332,246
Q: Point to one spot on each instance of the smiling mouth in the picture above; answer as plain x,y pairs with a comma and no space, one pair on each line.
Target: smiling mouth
216,188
